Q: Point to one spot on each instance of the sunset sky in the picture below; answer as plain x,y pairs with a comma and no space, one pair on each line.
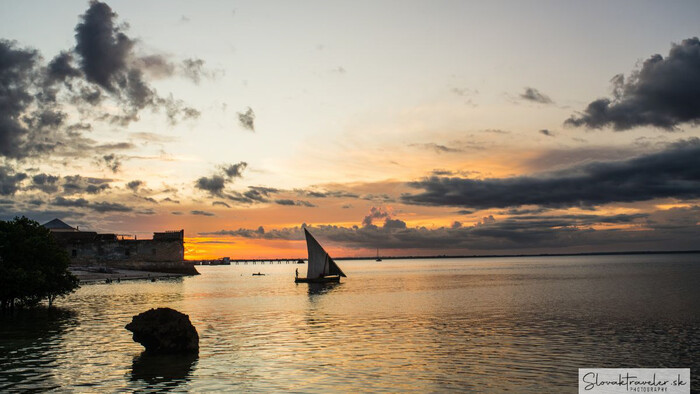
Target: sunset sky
413,127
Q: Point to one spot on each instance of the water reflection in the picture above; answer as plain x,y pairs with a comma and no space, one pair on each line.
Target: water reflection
30,342
322,288
164,372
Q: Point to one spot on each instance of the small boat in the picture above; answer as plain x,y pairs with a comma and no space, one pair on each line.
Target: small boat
258,274
321,267
378,258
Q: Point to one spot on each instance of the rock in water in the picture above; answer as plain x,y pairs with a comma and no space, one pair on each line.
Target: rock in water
163,331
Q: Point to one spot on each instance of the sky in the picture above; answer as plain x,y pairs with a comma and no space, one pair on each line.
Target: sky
408,127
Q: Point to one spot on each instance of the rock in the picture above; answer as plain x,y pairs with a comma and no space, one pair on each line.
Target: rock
164,331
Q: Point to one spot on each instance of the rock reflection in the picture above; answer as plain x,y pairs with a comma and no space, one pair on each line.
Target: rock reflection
164,372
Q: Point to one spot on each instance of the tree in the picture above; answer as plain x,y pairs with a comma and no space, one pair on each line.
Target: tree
32,265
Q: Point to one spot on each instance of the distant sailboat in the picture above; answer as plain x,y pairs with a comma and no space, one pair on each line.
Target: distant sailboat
321,267
378,258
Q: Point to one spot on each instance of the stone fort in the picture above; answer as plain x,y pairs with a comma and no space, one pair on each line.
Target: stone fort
164,253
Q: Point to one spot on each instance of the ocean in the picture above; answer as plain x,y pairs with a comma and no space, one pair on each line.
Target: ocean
518,324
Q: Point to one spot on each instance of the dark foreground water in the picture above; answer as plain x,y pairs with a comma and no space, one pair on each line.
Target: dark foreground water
483,325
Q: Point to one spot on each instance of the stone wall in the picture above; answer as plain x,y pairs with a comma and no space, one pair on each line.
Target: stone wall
164,253
122,251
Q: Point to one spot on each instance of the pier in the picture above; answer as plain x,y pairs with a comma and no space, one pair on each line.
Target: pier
250,261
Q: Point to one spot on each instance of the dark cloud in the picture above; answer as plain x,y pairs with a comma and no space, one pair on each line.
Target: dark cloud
194,69
325,194
114,146
61,68
76,184
247,119
394,224
102,66
664,93
10,180
134,185
214,184
112,162
396,236
201,213
673,172
107,60
223,204
235,170
67,202
519,234
109,207
436,147
299,203
374,213
103,48
18,74
95,206
46,183
254,194
547,133
96,189
532,94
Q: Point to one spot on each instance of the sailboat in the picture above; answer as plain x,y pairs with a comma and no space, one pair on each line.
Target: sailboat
378,258
321,267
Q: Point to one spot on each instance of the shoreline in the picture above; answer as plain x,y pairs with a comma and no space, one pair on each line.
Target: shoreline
92,275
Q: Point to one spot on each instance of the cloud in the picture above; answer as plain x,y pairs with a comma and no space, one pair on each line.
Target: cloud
532,94
67,202
253,194
153,137
107,60
671,173
223,204
201,213
193,69
95,206
235,170
374,213
518,233
18,68
76,184
10,180
664,93
109,207
214,184
112,162
547,133
37,98
46,183
437,148
134,185
298,203
247,119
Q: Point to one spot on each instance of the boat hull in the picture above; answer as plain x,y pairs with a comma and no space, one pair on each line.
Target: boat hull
325,279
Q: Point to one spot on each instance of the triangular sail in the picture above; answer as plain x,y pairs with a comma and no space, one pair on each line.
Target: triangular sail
320,263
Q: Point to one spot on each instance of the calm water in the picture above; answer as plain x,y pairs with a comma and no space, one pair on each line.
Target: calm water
496,324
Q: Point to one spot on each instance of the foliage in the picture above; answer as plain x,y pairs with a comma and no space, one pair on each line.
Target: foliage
32,265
